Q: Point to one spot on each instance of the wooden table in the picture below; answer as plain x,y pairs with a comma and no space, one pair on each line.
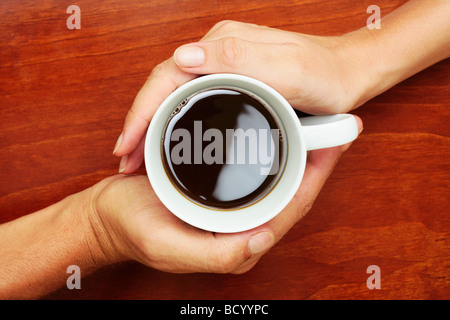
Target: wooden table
64,95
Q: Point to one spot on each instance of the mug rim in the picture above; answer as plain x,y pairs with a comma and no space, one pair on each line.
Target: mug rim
229,220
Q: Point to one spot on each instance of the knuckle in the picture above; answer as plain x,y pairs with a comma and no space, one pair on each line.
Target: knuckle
227,264
245,268
225,25
133,116
232,51
159,70
302,207
224,261
301,212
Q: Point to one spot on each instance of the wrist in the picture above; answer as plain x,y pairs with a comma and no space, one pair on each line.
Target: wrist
408,42
38,248
97,240
362,74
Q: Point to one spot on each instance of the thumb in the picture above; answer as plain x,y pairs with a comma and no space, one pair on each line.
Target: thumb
230,55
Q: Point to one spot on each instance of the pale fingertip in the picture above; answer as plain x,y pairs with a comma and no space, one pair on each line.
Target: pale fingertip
118,143
260,242
123,164
189,56
359,123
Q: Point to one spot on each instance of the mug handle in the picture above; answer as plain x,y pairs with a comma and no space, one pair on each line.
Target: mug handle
329,131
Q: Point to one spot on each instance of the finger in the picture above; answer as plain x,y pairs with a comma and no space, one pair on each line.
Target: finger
131,162
200,251
256,242
270,63
164,79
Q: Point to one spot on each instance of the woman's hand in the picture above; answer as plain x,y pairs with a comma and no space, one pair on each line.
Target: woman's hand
311,72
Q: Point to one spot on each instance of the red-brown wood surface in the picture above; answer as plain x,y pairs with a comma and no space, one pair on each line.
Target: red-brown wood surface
64,95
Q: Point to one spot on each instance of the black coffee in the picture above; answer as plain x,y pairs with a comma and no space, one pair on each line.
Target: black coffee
223,148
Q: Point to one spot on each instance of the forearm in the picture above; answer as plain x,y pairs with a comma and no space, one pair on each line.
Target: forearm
36,250
411,38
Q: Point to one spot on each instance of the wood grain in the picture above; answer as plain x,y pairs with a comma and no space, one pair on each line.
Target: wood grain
64,95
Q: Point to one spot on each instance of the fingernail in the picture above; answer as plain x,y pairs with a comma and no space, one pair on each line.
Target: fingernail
260,242
123,164
119,141
189,56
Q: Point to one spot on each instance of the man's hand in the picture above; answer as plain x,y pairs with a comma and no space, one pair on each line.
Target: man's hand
131,223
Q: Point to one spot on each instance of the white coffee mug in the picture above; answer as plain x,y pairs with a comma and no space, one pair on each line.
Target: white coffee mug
310,133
